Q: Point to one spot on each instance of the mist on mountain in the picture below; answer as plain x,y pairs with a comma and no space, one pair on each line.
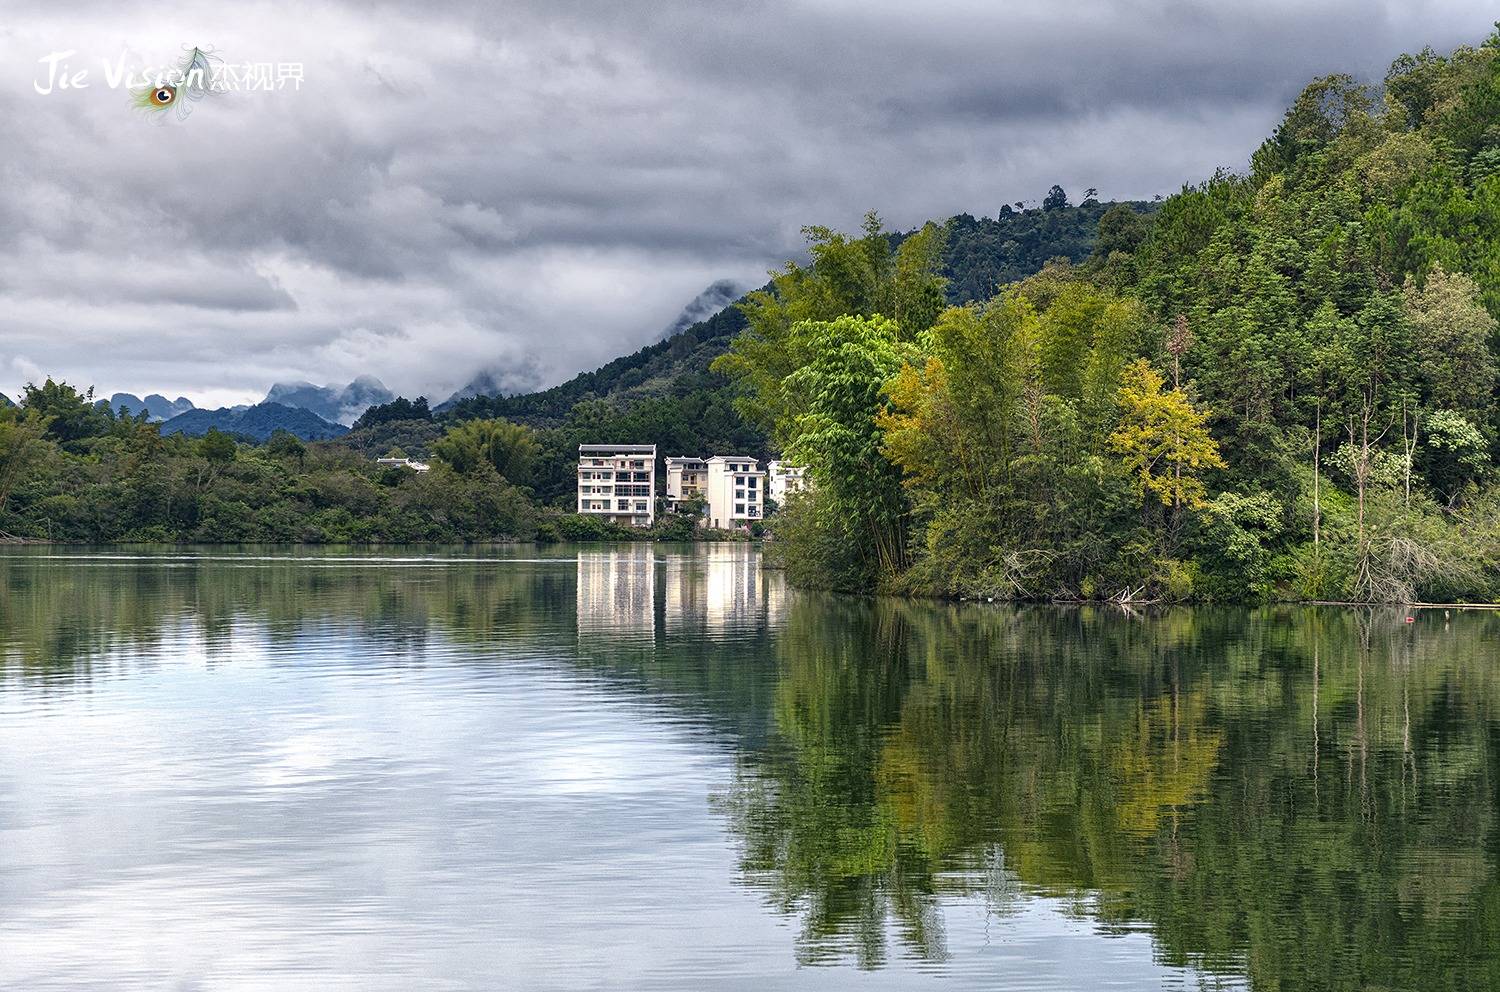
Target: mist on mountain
337,404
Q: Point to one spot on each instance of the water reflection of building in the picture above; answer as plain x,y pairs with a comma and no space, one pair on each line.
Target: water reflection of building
683,595
617,593
732,594
773,586
631,595
720,589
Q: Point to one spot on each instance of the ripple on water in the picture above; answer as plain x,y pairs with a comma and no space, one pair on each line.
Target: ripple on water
624,768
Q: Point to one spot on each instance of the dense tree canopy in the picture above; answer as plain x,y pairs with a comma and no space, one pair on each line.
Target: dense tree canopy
102,478
1295,367
509,449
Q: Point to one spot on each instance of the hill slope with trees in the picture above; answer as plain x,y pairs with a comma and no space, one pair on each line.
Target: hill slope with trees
979,255
255,423
1284,386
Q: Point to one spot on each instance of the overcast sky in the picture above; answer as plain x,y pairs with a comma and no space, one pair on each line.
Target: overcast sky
534,188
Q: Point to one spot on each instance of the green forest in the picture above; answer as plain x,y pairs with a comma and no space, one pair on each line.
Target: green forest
1279,384
1274,384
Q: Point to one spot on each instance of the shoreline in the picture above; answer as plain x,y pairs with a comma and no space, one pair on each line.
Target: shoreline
11,541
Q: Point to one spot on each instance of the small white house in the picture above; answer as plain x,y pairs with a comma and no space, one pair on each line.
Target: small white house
410,463
784,478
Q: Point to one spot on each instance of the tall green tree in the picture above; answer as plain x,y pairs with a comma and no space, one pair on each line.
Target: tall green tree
837,397
70,415
1452,332
863,277
21,433
510,449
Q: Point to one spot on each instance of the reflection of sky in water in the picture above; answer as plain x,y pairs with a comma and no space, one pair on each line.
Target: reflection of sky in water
336,810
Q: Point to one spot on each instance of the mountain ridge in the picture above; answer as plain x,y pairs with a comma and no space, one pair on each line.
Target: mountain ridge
256,422
156,406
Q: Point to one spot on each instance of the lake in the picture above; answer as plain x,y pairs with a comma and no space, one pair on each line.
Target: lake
658,768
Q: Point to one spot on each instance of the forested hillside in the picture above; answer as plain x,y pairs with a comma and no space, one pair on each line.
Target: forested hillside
979,255
255,423
669,394
984,253
1284,386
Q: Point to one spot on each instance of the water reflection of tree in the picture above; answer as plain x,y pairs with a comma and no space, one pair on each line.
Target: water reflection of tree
1174,771
1306,796
818,832
57,621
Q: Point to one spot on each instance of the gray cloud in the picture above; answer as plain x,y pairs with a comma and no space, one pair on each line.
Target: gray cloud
533,188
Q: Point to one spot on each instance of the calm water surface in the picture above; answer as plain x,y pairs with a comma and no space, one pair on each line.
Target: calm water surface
657,768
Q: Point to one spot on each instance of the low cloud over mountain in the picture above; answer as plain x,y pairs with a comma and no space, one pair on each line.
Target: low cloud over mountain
338,404
720,294
538,186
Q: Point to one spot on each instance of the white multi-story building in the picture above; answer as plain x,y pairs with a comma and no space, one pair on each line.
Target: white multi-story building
618,482
687,477
735,490
783,478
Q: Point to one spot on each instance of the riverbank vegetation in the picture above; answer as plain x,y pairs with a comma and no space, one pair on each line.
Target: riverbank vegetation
1281,384
72,472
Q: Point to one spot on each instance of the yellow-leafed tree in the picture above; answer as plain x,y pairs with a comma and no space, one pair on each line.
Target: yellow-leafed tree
1162,439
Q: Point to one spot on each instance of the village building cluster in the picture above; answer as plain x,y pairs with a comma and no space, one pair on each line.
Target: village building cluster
728,492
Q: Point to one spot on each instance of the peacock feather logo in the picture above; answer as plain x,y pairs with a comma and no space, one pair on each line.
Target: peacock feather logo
172,93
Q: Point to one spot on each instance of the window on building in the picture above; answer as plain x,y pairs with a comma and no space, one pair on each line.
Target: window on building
739,509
